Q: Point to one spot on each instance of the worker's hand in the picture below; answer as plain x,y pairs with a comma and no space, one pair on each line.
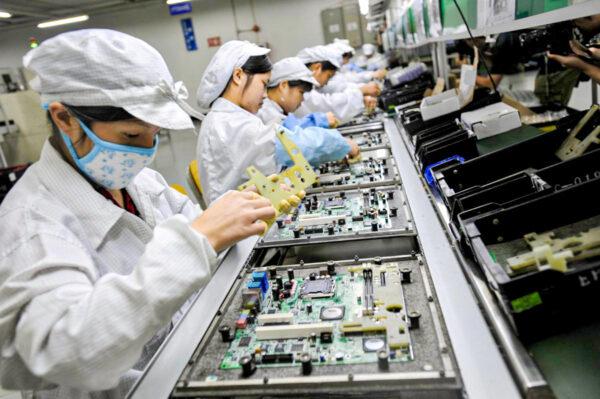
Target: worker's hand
370,103
354,149
370,89
233,217
570,61
379,74
333,121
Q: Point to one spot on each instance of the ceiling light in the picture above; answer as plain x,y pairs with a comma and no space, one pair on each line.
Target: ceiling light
4,14
64,21
176,1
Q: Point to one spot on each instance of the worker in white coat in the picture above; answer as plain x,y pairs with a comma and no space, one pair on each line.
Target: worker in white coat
290,80
371,59
98,253
324,61
345,77
232,138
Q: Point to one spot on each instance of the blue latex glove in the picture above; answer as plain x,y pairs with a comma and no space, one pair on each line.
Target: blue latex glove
318,146
353,67
318,119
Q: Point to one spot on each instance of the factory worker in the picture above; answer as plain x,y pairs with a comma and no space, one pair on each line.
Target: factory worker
324,62
290,79
344,78
99,256
232,137
371,59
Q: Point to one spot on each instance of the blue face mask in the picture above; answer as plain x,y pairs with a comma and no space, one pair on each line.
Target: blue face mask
108,164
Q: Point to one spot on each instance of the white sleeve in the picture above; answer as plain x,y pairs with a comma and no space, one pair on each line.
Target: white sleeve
345,105
359,77
78,330
229,147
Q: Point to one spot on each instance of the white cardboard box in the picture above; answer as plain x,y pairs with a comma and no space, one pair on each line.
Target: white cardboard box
491,120
451,100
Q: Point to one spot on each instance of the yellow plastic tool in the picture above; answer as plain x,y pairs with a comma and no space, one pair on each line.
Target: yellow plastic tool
298,178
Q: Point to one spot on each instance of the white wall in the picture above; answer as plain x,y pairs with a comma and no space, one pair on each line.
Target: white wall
287,25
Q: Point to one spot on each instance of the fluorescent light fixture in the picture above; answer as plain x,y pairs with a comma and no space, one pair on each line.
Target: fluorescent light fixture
176,1
63,21
363,5
4,14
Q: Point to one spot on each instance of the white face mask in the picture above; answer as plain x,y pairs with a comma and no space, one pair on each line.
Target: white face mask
111,165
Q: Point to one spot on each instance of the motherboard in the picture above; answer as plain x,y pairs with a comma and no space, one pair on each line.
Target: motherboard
370,140
342,215
324,317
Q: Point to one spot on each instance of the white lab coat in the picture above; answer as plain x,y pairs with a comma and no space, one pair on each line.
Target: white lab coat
344,105
230,140
271,112
88,290
345,80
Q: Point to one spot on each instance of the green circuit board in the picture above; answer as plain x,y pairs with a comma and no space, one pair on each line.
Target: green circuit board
370,140
363,172
334,214
361,323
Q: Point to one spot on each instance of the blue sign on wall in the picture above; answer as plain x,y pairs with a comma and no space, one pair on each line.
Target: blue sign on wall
188,34
180,8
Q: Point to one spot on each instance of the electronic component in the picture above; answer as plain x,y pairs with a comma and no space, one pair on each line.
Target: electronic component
556,253
345,215
275,318
332,313
291,331
317,288
373,168
373,344
294,335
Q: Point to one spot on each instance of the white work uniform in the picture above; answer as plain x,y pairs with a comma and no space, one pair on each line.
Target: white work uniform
230,140
88,290
345,105
271,112
345,80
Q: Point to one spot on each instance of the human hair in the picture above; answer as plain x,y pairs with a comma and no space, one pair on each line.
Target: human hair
347,54
255,64
89,114
304,85
325,65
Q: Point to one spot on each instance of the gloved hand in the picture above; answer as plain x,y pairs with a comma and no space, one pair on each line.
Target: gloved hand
370,89
234,217
333,121
379,74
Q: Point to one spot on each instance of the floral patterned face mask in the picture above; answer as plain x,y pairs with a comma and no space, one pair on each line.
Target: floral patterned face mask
111,165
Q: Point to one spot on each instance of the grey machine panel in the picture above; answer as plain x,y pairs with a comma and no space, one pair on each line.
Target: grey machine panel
417,358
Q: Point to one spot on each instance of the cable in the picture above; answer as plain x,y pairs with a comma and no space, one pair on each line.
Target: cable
475,45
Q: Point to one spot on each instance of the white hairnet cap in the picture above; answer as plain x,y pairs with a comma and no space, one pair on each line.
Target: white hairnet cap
101,67
231,55
368,49
291,68
342,45
320,53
